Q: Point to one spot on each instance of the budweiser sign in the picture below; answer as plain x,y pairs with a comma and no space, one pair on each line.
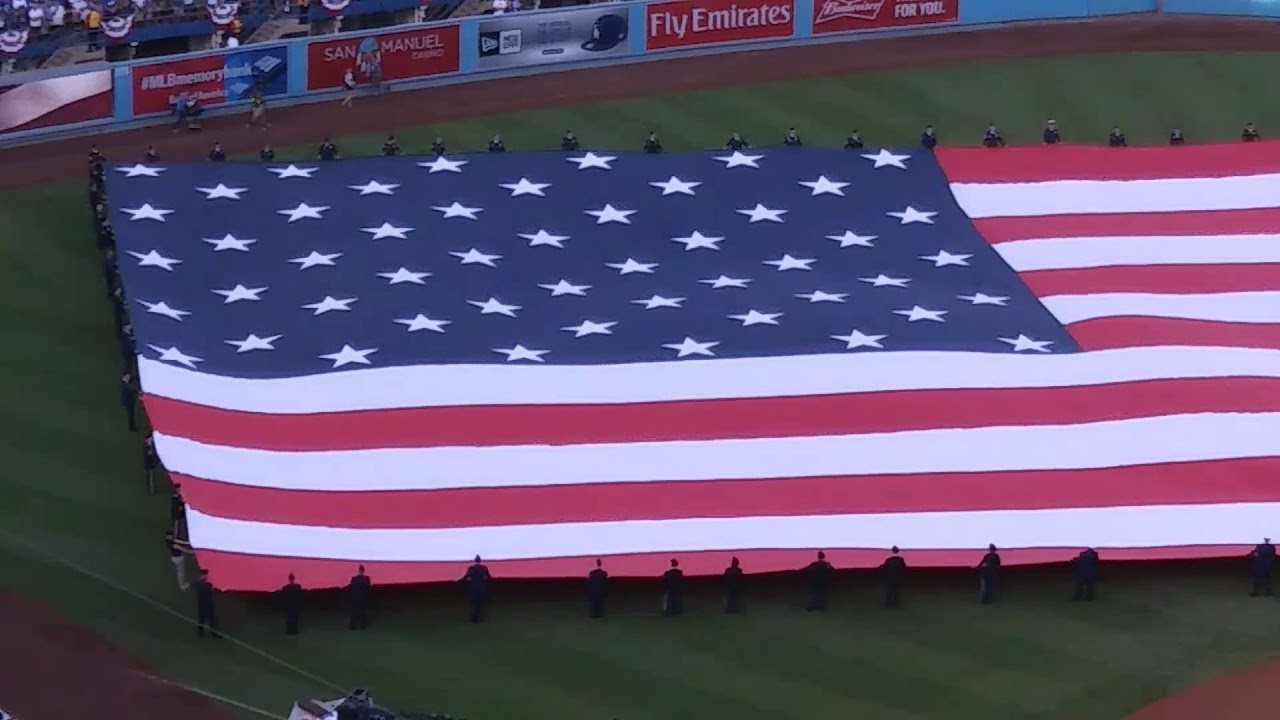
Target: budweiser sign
863,9
853,15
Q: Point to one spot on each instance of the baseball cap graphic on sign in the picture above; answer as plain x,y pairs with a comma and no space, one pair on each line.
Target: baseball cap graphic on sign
606,33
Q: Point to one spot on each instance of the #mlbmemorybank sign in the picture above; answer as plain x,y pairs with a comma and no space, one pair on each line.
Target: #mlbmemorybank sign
213,79
416,53
705,22
516,40
852,15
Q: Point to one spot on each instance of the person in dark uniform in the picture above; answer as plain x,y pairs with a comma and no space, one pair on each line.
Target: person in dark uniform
1086,575
127,347
177,508
496,145
178,552
327,151
437,147
1051,135
206,618
929,138
817,577
217,154
652,144
129,399
853,142
390,147
477,581
792,138
673,590
266,154
95,156
291,600
358,591
893,569
597,580
569,143
736,143
110,271
152,155
733,587
1176,138
1261,558
992,137
988,575
1116,138
1250,133
150,462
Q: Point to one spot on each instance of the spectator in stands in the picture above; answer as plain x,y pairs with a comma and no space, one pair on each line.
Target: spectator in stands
391,147
327,151
500,7
1051,134
35,18
652,144
57,16
1116,138
437,147
217,154
928,138
992,137
853,142
92,23
792,138
151,156
230,40
736,143
1250,133
1175,137
495,145
266,154
569,143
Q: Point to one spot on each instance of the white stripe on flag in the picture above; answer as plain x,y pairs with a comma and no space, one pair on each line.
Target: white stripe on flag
1242,307
1088,252
1075,197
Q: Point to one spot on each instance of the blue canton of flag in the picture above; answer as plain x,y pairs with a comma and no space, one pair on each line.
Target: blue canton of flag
259,270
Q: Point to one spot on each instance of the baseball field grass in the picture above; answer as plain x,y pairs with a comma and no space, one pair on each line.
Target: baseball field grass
78,530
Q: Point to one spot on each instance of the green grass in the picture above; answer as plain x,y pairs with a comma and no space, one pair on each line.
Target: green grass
71,489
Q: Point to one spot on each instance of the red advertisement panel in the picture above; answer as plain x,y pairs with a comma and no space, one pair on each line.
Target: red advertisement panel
402,55
703,22
848,15
55,101
157,84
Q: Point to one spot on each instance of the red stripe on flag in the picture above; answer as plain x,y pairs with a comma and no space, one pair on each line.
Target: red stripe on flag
1262,221
260,573
1164,279
1120,332
1040,163
711,419
1222,481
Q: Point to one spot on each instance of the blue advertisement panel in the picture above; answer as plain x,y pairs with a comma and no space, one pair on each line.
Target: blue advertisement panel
523,39
268,68
1265,8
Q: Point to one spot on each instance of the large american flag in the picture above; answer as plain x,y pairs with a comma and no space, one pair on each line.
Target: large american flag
544,358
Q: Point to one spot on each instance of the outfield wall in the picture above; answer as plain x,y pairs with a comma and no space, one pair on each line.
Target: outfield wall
34,105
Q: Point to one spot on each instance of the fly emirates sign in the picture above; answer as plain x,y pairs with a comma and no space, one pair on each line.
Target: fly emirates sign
704,22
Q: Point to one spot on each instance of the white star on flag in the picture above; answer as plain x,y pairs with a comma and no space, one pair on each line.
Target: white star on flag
850,239
542,237
786,262
240,292
698,240
155,259
404,275
657,301
350,356
592,160
738,159
823,186
725,281
303,211
886,281
587,327
493,306
173,354
885,158
422,322
609,214
856,339
315,259
1022,342
475,257
387,230
760,213
631,266
292,171
444,164
221,191
689,346
253,342
755,317
373,187
918,313
525,187
675,186
912,215
146,212
984,299
329,304
564,287
943,258
457,209
162,308
140,170
818,296
229,242
520,352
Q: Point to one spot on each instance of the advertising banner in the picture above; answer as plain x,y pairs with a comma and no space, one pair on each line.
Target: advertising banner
518,40
851,15
54,101
212,79
690,23
415,53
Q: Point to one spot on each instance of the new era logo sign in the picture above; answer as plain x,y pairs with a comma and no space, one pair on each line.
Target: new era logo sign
488,45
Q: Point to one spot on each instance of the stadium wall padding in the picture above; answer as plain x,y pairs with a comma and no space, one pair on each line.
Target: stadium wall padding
484,45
